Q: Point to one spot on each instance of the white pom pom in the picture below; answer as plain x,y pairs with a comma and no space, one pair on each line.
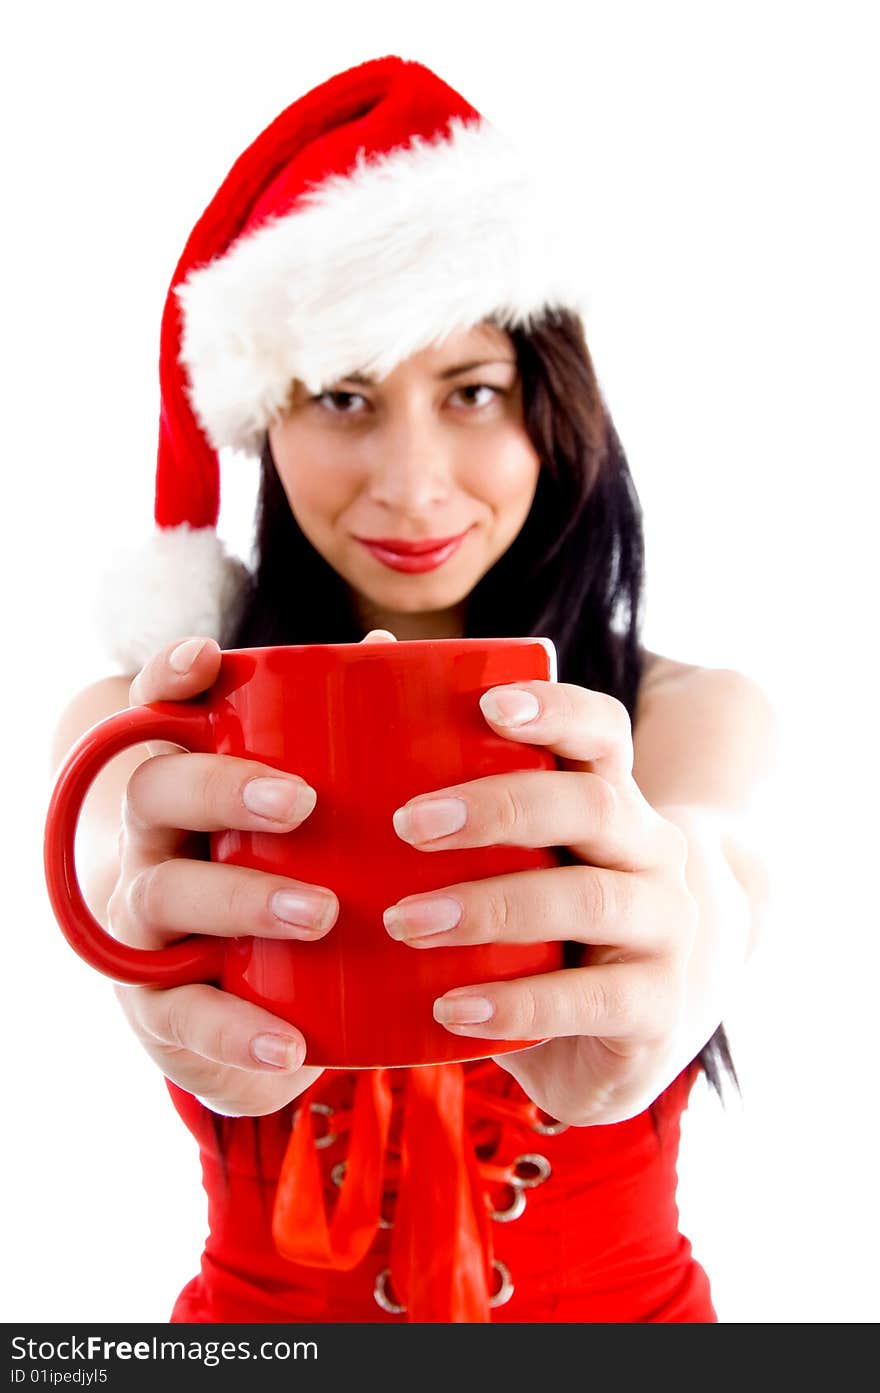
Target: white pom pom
181,583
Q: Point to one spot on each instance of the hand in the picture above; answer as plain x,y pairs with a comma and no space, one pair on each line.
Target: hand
612,1027
235,1056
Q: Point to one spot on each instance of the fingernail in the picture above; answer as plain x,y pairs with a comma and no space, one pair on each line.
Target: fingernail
424,821
422,917
462,1010
281,1050
281,799
307,910
510,708
185,654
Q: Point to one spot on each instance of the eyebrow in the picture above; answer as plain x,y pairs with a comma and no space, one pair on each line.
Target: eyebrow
441,376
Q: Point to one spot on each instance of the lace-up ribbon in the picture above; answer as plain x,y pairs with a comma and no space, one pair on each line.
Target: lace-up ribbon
441,1257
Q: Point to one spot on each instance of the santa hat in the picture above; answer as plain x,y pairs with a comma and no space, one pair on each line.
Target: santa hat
375,216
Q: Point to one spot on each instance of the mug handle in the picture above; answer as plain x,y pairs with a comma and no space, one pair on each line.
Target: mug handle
195,959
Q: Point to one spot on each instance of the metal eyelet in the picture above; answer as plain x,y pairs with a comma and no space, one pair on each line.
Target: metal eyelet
381,1297
506,1289
549,1129
328,1138
337,1175
531,1158
514,1209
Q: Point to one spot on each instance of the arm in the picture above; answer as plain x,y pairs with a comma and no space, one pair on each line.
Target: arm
100,822
236,1057
705,746
663,891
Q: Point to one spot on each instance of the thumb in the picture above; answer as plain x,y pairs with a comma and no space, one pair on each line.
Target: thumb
177,672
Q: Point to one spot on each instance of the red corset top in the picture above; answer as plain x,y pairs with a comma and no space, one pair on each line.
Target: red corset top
422,1168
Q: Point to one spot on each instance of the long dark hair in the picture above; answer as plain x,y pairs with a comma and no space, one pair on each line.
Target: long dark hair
574,573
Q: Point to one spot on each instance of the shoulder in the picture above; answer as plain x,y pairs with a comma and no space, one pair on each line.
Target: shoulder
684,686
83,710
659,670
701,734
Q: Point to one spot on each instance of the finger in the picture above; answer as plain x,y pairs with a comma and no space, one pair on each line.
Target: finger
379,636
177,672
167,900
210,793
540,808
583,904
216,1026
616,1001
588,730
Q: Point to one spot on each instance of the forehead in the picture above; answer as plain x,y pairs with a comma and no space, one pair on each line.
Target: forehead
480,338
480,344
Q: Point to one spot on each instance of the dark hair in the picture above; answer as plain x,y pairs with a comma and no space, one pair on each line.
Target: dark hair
574,573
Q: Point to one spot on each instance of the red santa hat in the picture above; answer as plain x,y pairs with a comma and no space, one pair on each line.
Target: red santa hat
375,216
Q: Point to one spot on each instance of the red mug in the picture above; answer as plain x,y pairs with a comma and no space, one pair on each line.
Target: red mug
369,726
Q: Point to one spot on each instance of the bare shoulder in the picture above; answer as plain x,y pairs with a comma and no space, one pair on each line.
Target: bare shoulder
83,710
659,669
701,734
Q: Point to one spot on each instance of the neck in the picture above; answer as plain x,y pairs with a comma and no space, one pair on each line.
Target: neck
442,623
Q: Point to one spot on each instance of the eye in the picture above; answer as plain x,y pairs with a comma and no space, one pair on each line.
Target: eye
347,397
480,387
333,396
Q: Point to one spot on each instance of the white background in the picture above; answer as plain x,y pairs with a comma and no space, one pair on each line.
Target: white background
723,159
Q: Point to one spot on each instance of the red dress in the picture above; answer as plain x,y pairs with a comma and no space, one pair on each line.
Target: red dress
462,1202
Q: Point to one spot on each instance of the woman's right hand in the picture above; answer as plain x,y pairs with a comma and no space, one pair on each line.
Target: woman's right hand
235,1056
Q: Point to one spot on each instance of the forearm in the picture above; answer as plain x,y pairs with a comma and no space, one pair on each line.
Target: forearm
729,888
97,837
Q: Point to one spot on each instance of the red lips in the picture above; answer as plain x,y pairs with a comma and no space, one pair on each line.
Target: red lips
404,548
413,557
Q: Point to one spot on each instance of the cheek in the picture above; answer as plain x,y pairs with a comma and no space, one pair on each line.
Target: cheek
313,489
513,477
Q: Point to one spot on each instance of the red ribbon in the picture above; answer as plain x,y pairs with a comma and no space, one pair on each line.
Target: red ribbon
441,1247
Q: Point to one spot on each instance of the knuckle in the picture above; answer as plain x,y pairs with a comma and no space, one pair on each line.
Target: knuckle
674,923
606,1000
604,802
619,714
132,798
143,898
175,1022
527,1010
116,916
663,1011
213,1087
215,788
496,928
143,685
510,813
240,904
224,1044
192,1019
598,899
136,799
622,724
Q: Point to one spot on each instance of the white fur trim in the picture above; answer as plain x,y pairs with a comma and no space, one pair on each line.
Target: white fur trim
179,584
371,267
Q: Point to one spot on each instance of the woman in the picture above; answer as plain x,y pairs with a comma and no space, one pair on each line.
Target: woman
380,304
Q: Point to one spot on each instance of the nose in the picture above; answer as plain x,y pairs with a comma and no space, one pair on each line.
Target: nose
413,469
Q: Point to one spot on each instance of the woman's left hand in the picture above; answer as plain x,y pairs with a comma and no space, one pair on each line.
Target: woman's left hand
612,1028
